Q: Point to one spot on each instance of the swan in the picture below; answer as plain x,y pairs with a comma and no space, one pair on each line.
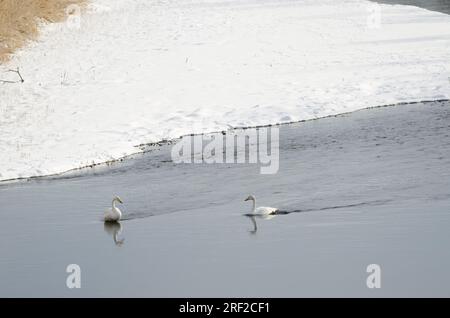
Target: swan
113,214
260,210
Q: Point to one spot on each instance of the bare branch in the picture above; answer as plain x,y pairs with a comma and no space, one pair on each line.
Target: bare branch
17,71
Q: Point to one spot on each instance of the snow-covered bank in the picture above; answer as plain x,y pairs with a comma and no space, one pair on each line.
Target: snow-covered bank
140,71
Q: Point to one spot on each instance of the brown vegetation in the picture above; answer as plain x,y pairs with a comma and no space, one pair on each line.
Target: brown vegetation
19,20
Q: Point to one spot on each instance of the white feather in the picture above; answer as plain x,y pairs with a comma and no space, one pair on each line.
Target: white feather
113,214
263,210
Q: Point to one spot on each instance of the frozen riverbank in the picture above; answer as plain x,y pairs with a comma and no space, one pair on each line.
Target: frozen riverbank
143,71
375,183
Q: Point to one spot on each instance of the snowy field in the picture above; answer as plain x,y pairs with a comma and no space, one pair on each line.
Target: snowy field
133,72
371,187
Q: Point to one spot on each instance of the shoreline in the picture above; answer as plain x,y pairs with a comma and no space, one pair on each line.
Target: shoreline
160,143
177,78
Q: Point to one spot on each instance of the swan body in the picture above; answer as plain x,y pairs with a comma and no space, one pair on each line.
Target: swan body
263,210
113,214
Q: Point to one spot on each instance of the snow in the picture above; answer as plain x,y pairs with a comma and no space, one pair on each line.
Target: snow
141,71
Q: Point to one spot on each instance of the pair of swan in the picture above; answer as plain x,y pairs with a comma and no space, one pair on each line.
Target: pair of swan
114,214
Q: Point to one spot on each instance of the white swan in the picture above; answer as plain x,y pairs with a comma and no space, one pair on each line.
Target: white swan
261,210
113,214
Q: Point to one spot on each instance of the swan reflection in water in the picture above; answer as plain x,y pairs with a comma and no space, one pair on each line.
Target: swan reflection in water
253,218
114,229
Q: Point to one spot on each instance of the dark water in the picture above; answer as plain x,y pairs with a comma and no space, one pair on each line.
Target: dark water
434,5
368,187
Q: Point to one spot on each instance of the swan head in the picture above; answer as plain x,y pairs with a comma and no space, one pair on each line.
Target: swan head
116,198
250,197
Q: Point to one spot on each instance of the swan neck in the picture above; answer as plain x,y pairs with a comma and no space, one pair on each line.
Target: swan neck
254,205
114,203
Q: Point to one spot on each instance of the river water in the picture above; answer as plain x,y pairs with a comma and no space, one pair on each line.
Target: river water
370,187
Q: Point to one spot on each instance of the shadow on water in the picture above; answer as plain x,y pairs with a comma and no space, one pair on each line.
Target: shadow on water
114,229
254,223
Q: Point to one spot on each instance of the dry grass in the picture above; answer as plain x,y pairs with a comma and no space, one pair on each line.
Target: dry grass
19,21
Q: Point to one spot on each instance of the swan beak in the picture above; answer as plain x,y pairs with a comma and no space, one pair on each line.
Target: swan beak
246,200
120,201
